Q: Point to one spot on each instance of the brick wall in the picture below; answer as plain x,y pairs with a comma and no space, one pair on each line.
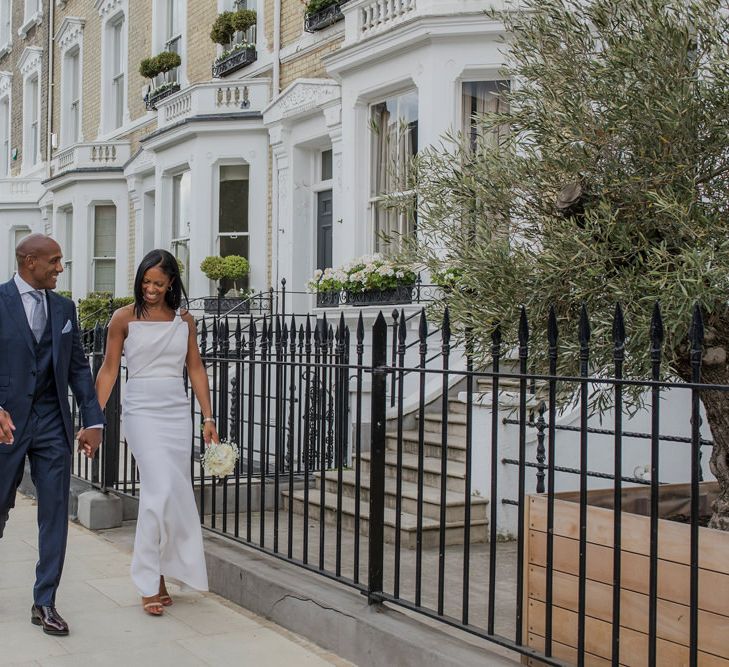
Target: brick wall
37,36
201,51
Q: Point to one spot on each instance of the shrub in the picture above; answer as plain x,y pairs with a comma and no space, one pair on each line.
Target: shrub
314,6
149,68
223,30
243,19
64,292
236,267
213,267
168,60
98,307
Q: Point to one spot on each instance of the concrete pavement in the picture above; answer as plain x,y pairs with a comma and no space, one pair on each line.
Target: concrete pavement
108,626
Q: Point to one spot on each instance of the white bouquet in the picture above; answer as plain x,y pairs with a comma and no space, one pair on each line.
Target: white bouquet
220,457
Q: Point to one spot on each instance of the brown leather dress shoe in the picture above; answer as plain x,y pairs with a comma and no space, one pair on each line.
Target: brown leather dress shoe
49,618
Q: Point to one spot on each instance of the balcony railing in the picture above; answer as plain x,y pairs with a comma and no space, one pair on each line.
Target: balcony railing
365,19
92,155
20,190
214,98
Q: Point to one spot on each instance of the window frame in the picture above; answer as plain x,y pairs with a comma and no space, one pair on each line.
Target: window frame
5,140
176,240
376,198
6,26
97,258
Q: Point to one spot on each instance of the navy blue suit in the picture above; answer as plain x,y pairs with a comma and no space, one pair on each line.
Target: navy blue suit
34,382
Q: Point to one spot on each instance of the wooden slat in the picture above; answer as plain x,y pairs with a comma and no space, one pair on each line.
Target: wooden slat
563,652
673,579
673,537
672,625
598,635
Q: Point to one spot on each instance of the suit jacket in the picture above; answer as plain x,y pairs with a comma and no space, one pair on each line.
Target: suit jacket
17,358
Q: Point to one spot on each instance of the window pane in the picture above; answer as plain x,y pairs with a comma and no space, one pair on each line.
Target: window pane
234,245
105,231
481,97
233,209
181,205
20,234
326,165
104,275
395,137
181,250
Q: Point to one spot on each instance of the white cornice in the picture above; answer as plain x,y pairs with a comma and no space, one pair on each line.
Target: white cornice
301,98
6,81
30,61
106,7
70,32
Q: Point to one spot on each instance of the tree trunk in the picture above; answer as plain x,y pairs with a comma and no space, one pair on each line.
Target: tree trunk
714,371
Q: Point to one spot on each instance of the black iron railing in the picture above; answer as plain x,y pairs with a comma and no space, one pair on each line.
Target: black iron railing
468,511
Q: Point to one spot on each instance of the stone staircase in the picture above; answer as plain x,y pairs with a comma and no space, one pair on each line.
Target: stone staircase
455,485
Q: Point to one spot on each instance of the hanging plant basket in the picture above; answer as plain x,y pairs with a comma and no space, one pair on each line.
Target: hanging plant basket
235,305
158,94
323,18
329,299
238,59
393,296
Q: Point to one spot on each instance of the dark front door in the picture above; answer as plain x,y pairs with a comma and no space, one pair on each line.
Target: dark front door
324,229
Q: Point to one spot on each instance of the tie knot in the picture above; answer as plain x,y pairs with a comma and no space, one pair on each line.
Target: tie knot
37,295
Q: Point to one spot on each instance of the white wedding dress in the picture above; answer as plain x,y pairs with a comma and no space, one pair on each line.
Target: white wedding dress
158,427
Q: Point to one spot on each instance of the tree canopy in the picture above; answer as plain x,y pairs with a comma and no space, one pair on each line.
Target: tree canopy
604,178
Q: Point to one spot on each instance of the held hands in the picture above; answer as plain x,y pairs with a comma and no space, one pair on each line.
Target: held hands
210,433
89,440
6,428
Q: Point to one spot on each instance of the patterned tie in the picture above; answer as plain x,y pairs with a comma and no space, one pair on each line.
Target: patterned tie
38,317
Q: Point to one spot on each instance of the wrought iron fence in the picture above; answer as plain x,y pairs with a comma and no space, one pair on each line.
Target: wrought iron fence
413,507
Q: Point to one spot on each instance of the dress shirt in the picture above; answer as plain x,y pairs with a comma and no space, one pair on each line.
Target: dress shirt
28,303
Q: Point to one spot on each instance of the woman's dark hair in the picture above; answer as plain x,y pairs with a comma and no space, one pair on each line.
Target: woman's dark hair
167,262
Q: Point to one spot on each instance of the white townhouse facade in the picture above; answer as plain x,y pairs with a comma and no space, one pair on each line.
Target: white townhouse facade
282,158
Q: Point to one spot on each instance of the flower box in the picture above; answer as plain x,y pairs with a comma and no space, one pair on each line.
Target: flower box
323,18
393,296
328,299
239,58
228,305
159,94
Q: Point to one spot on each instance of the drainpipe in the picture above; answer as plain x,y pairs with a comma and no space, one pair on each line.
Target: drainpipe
276,47
51,83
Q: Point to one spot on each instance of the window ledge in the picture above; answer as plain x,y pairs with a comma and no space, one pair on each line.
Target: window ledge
5,48
34,19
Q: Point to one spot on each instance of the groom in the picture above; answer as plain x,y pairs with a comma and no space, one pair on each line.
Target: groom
40,356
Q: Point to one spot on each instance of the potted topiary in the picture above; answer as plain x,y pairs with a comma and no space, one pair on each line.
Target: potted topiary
150,68
234,55
222,269
327,285
320,14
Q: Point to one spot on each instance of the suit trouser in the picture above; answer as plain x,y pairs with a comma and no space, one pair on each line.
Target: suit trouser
45,443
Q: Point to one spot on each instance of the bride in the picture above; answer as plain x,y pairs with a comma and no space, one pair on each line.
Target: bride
159,341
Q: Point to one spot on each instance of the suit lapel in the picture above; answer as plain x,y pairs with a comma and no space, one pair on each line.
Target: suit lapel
14,303
55,308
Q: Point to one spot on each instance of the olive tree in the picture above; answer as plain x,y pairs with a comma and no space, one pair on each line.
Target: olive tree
604,179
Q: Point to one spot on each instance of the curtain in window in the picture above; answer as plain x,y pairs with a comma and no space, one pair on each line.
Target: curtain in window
481,97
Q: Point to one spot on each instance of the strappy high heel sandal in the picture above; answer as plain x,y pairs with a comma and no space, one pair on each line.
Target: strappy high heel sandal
153,605
164,596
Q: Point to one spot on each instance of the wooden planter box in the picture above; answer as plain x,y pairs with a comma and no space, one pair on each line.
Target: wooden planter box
673,578
234,62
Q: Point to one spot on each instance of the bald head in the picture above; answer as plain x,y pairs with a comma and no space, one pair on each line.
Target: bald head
39,261
35,244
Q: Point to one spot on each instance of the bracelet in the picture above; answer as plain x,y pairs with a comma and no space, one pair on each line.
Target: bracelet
209,419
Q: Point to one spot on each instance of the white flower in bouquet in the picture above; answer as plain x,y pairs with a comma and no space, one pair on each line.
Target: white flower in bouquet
219,458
